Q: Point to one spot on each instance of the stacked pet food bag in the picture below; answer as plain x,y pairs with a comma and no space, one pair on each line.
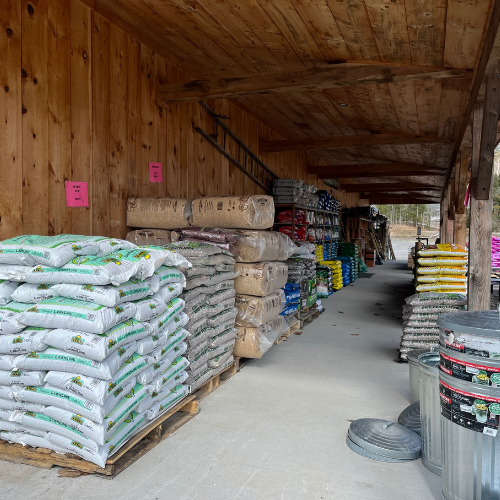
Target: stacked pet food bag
442,268
209,297
348,255
420,315
260,299
324,281
495,253
91,341
302,269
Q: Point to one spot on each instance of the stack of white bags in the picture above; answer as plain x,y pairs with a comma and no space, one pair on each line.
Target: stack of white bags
91,341
210,297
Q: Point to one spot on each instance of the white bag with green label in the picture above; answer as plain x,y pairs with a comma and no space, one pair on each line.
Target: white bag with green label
7,288
55,359
106,295
29,340
78,315
92,346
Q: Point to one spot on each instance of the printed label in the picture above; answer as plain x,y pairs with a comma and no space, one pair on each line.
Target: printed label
469,410
471,372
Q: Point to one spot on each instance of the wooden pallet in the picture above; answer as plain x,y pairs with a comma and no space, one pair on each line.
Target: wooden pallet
136,447
284,336
305,320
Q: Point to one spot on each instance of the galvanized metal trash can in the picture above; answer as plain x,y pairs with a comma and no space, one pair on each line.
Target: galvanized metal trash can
430,414
414,373
470,404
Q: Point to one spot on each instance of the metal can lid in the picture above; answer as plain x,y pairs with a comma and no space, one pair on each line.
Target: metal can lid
483,323
410,417
385,438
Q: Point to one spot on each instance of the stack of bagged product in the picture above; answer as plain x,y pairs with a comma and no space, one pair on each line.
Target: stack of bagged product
442,268
209,296
335,266
323,281
259,296
495,252
420,315
91,342
292,299
302,271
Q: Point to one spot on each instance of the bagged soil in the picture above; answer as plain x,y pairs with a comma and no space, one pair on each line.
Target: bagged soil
142,237
243,212
260,279
158,213
255,311
255,342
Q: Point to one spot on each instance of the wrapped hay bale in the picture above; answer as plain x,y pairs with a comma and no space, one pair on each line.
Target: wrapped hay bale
256,311
158,213
141,237
244,212
255,342
260,279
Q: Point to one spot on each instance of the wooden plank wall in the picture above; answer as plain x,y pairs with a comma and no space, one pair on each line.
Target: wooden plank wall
77,102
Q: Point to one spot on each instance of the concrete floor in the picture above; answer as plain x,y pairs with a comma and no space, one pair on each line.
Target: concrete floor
277,429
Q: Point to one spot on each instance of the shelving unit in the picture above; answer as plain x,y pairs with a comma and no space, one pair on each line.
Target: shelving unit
316,211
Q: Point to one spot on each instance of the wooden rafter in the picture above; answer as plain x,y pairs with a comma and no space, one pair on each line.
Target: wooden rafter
315,78
390,186
348,141
373,167
404,173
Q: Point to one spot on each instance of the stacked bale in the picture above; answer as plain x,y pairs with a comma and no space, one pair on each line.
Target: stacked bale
209,296
442,268
260,298
97,352
420,316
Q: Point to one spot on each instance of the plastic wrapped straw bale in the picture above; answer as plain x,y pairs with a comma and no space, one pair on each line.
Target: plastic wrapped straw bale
158,213
260,279
243,212
255,311
255,342
257,246
142,237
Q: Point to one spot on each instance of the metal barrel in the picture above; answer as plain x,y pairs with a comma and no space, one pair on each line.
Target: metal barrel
430,411
471,445
414,373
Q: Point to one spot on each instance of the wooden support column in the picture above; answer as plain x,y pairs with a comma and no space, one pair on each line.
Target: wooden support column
460,222
443,217
450,212
479,273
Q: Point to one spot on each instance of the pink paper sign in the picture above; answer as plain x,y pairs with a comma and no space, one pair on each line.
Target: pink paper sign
77,194
155,172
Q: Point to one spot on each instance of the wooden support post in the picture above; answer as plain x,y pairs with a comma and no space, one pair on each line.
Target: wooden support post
460,221
479,272
450,215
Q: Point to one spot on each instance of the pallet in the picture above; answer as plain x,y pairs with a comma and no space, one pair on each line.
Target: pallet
305,320
284,336
136,447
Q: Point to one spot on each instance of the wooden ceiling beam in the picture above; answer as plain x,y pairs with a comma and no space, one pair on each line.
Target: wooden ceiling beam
347,141
407,201
405,173
315,78
372,167
394,186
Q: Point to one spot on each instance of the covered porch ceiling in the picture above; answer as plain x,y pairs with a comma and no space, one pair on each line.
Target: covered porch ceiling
378,92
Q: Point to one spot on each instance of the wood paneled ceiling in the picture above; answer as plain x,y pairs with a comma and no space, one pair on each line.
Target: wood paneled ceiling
228,38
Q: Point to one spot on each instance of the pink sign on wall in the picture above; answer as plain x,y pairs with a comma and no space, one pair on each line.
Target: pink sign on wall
155,172
77,194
